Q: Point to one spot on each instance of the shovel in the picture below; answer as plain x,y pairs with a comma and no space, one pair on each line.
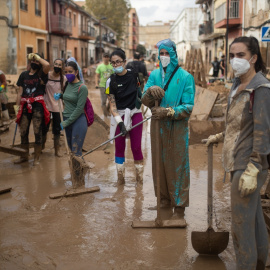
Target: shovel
158,222
210,242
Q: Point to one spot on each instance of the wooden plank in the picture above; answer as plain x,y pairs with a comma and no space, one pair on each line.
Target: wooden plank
31,145
5,190
13,151
74,192
203,104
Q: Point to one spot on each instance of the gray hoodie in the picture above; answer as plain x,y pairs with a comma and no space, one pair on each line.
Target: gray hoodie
247,133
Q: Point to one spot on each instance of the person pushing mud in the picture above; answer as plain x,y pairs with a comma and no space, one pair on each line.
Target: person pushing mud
175,106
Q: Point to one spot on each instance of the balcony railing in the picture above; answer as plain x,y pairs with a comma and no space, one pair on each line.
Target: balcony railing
206,28
61,24
221,11
87,31
38,12
23,6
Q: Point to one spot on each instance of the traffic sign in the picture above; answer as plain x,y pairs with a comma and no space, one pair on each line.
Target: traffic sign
266,33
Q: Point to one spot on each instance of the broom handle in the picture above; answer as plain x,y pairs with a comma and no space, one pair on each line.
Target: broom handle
92,150
157,166
61,116
210,185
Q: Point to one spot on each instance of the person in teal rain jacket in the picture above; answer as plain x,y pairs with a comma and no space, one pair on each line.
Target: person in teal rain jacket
175,106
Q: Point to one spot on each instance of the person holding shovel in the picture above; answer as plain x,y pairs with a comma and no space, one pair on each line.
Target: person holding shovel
74,97
30,103
245,149
174,88
122,90
55,84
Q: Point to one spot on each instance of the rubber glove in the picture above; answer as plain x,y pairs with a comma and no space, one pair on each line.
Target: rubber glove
122,128
31,56
156,91
61,125
215,138
57,96
36,57
159,113
248,180
16,109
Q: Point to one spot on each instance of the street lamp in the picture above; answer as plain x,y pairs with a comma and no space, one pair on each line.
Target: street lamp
100,40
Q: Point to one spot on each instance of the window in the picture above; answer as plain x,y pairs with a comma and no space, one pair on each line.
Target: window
74,18
41,46
75,53
38,7
23,5
82,56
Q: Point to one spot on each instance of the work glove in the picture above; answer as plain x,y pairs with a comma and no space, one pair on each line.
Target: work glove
156,91
33,56
57,96
16,109
159,113
215,138
248,180
122,128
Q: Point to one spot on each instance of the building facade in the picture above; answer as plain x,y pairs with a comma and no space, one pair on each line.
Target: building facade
184,31
132,37
151,34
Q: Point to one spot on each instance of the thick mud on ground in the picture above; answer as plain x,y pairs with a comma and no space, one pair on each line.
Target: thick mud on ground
93,231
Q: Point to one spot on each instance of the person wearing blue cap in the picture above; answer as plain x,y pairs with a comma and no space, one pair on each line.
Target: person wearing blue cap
174,88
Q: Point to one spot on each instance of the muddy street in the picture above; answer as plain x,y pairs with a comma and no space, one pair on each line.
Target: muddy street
93,231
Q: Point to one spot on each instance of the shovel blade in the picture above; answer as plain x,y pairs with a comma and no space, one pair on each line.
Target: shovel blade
209,242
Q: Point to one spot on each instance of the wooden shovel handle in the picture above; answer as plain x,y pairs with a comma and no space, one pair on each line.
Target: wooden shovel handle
61,116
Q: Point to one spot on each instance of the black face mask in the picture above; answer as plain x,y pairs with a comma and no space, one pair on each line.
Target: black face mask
56,69
35,66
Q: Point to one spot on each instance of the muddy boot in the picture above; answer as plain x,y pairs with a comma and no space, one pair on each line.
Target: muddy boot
57,146
120,174
5,117
179,212
139,171
38,148
24,158
164,203
44,139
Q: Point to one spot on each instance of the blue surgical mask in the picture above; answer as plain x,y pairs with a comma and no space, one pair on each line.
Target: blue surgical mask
118,69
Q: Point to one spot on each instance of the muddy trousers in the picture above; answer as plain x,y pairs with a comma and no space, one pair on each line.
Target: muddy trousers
135,141
249,233
76,133
37,116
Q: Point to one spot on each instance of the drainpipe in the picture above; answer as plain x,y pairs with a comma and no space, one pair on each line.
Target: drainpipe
243,18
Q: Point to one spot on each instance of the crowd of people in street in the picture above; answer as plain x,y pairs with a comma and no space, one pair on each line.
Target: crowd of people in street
169,92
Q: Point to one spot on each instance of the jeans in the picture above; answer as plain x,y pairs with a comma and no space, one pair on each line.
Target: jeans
249,233
37,116
76,133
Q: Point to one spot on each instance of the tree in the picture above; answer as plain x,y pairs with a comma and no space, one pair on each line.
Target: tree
115,11
141,49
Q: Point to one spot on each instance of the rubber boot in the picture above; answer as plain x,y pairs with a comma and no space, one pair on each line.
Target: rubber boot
44,139
5,117
24,158
120,174
38,148
139,171
57,146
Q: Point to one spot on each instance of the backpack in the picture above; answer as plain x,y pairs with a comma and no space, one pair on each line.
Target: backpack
136,71
88,110
113,85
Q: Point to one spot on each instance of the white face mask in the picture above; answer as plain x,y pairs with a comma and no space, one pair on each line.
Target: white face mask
240,66
165,60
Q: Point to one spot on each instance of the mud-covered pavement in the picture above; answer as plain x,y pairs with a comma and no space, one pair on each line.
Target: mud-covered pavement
93,231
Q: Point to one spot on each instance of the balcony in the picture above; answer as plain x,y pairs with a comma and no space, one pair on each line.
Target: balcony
23,6
87,32
234,15
206,29
61,25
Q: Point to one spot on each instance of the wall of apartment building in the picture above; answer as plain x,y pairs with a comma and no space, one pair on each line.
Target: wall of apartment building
8,41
